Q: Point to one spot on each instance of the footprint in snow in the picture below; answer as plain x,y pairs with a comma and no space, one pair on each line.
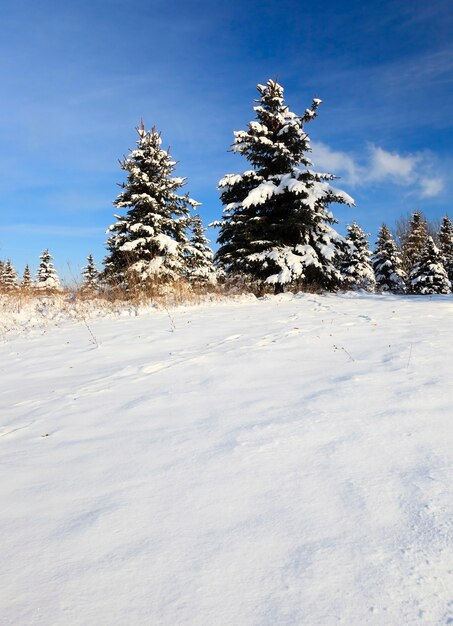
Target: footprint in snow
154,367
228,339
26,403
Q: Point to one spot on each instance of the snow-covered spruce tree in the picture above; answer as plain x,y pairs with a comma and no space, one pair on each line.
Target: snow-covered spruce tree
428,275
276,227
149,243
201,270
9,276
446,245
387,265
46,276
26,282
415,240
90,275
356,264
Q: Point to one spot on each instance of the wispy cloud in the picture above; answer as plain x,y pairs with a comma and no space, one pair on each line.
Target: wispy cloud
378,165
331,160
431,187
53,229
384,165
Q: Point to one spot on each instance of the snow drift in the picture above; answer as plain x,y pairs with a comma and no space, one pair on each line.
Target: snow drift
285,461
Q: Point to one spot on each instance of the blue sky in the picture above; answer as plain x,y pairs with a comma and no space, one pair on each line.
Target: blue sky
77,77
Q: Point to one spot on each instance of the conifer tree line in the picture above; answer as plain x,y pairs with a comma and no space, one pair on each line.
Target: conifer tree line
277,231
418,265
46,279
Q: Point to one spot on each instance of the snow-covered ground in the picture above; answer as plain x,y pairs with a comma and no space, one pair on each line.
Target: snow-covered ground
276,462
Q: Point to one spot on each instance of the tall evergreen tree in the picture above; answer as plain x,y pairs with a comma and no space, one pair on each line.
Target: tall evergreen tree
200,256
277,227
149,243
428,275
27,282
47,277
446,245
9,276
90,275
356,264
413,244
387,264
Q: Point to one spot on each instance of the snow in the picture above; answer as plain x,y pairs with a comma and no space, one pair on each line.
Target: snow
341,195
314,191
260,194
229,180
259,128
259,462
166,244
132,245
138,227
163,242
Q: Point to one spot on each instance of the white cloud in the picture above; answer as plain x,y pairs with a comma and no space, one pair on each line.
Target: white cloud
336,161
383,164
379,166
431,187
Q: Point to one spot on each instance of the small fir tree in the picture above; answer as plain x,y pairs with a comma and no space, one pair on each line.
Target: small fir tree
402,228
277,227
412,245
446,245
47,277
2,267
387,264
428,276
27,282
356,265
149,243
9,276
200,256
90,275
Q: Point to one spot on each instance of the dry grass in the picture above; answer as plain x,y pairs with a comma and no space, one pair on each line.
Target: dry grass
24,309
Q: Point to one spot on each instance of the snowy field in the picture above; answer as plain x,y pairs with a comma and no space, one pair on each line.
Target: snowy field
276,462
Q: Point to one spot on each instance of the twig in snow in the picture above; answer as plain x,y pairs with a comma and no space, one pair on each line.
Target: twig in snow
93,338
8,432
409,357
345,351
82,316
172,321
